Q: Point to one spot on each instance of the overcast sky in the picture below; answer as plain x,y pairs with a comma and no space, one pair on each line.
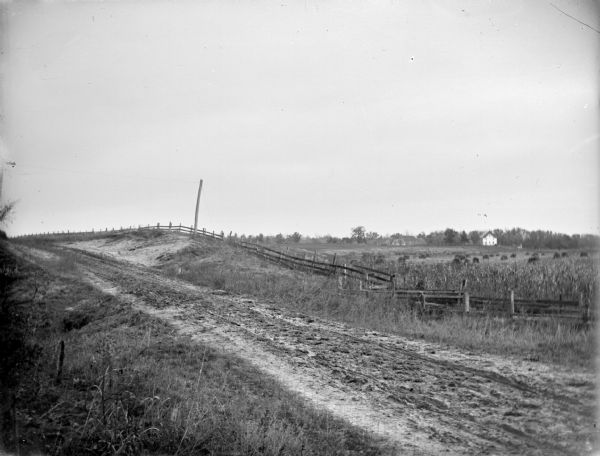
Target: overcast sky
309,116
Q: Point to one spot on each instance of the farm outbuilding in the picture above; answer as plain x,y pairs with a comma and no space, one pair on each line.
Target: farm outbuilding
489,239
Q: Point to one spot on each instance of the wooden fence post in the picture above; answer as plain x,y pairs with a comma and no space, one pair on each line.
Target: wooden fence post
511,304
170,225
467,302
582,308
59,362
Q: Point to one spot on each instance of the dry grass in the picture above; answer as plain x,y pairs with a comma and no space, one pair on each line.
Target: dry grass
131,385
554,341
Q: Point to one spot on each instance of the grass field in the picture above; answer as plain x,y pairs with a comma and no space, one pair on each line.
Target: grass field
131,385
557,341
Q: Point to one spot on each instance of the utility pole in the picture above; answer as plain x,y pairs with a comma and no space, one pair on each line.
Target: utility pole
197,206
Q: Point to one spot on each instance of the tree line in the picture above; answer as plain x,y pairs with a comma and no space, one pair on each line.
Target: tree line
514,237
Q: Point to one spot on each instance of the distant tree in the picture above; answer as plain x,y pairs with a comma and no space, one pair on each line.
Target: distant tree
435,238
279,238
450,236
295,237
260,237
372,236
464,238
475,237
358,234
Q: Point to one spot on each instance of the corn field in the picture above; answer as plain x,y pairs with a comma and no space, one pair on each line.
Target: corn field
564,278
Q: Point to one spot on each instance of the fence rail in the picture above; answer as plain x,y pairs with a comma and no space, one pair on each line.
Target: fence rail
371,280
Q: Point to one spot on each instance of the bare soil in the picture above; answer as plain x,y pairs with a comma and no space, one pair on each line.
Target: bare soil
426,398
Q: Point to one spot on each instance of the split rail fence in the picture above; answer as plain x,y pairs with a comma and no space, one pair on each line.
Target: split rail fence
359,278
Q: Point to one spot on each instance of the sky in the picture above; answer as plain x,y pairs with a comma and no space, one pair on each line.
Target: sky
308,116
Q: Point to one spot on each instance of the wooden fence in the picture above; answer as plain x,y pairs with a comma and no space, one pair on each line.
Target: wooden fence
358,278
170,227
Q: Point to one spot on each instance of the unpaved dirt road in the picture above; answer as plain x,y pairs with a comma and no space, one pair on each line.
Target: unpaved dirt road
425,398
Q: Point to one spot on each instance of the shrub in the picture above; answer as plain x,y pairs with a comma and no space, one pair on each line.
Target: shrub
583,254
556,255
504,257
513,255
475,260
533,259
486,257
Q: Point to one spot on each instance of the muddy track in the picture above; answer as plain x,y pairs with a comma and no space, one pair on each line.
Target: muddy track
427,399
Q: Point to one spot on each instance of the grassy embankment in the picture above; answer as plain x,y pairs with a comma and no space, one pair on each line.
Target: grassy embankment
556,341
130,384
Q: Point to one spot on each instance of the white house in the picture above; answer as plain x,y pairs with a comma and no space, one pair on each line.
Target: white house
489,239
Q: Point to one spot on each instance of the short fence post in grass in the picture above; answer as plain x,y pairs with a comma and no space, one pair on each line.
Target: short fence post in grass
467,302
170,225
511,304
59,362
179,226
158,225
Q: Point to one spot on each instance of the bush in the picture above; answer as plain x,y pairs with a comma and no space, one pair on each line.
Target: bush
504,257
583,254
475,260
533,259
486,257
556,255
513,255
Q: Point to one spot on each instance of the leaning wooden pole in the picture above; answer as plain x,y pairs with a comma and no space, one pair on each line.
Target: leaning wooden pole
197,207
